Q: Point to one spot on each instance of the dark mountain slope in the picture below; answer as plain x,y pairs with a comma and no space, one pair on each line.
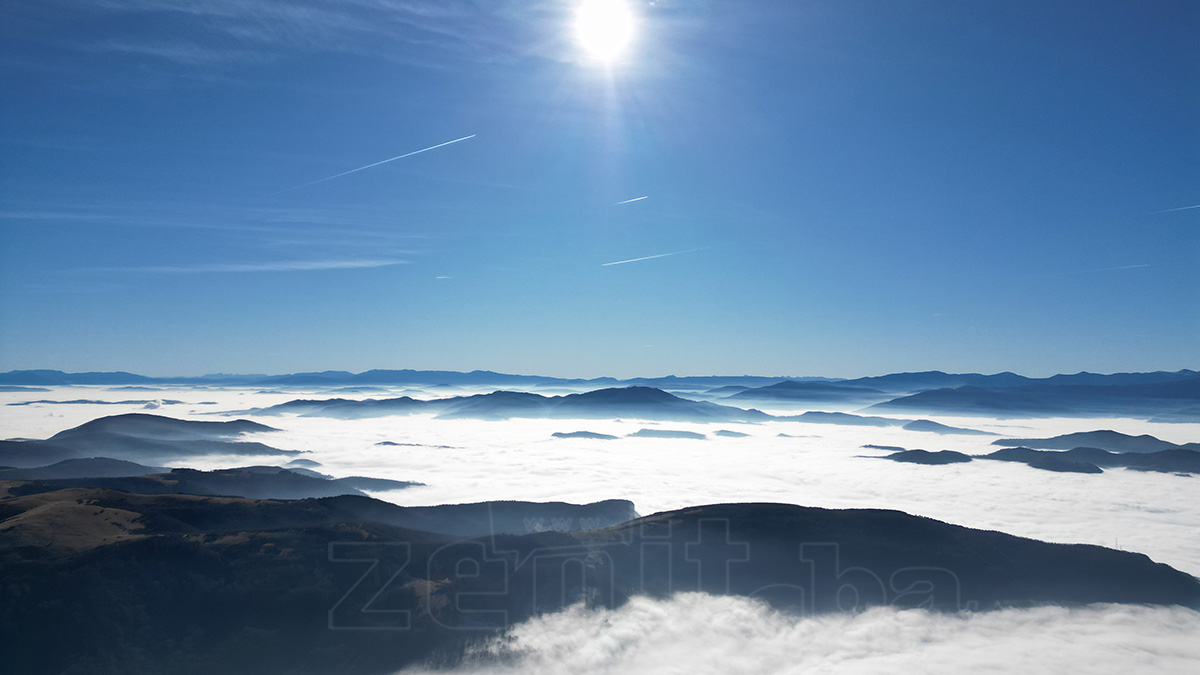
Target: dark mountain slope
95,467
261,482
187,584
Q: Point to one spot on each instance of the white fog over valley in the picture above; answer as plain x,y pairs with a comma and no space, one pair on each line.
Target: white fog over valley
710,635
801,463
821,465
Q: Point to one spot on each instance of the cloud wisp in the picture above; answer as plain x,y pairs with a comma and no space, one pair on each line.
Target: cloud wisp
363,168
650,257
229,32
698,633
269,266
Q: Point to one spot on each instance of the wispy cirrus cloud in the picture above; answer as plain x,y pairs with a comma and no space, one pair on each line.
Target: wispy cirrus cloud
265,266
364,229
189,54
214,32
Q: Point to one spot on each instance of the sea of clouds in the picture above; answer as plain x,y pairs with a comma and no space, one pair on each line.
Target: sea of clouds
813,465
809,464
698,634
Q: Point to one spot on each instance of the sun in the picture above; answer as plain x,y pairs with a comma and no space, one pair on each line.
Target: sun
604,28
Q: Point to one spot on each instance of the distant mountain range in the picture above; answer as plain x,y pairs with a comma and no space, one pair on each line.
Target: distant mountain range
190,584
917,382
637,402
792,391
141,438
341,378
893,383
1173,400
643,403
1161,396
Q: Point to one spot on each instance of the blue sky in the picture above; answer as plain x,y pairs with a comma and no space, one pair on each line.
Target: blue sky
852,187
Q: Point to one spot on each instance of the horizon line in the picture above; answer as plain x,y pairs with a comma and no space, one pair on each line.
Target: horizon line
559,377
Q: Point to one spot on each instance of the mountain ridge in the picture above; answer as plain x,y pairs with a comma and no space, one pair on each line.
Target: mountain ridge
889,382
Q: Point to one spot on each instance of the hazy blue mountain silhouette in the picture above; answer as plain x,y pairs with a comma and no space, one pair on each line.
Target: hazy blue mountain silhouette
1049,460
808,392
1172,460
1105,439
818,417
143,425
497,405
87,401
1118,379
633,402
1064,465
139,437
938,428
28,454
705,384
105,467
927,457
583,434
1161,396
726,390
1042,399
649,403
57,377
936,379
668,433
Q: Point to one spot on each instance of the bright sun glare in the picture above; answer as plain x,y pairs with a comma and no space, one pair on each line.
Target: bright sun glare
604,28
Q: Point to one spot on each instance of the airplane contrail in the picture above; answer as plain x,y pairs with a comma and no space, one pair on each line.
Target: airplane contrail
650,257
1094,270
345,173
1181,208
635,199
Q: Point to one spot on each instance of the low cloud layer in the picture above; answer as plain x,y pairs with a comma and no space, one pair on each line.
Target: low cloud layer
816,465
701,634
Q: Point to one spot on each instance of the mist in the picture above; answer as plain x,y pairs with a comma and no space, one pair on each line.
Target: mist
698,633
814,465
